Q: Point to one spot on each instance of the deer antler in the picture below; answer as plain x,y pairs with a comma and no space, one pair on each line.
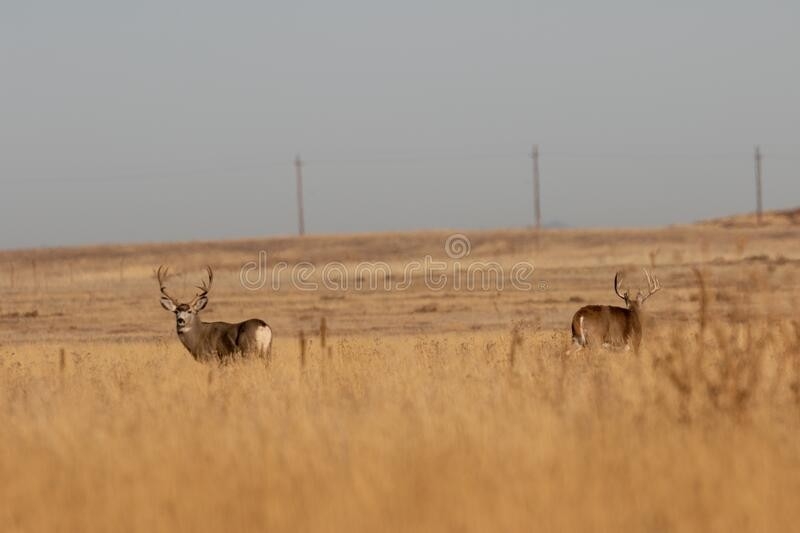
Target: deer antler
617,283
205,287
653,285
162,274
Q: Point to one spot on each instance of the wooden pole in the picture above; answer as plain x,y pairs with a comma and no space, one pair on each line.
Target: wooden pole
298,167
758,184
537,213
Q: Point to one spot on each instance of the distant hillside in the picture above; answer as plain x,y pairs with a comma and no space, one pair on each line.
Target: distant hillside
784,217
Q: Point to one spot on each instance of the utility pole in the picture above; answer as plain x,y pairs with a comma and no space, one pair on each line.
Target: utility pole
298,168
536,206
758,184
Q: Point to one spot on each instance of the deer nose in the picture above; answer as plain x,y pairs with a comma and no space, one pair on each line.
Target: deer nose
181,322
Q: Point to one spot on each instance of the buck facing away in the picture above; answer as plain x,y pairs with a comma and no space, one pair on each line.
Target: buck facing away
610,326
209,341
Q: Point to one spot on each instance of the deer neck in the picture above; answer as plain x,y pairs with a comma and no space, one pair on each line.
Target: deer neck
194,338
635,308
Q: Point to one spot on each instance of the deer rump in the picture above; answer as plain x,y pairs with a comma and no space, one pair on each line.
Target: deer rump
609,326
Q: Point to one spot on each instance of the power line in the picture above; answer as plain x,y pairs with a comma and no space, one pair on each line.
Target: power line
301,222
758,182
537,214
255,173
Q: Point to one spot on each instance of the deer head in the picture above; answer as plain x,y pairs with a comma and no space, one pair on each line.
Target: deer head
185,314
653,286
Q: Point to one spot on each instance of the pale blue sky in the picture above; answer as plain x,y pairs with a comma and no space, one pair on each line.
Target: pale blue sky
145,121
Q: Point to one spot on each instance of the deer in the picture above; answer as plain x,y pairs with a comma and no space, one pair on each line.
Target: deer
214,341
612,326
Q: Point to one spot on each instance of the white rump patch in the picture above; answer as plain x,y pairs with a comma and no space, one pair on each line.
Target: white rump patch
264,338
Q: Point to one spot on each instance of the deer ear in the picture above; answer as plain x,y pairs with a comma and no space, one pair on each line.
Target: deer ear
168,304
200,304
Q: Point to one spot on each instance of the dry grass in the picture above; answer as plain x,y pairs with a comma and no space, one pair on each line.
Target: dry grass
467,417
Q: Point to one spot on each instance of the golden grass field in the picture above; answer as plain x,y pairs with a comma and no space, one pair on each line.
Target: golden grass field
452,410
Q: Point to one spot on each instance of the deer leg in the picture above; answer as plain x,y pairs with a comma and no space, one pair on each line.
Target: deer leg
576,346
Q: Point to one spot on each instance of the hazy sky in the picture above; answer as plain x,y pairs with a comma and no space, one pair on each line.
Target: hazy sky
147,120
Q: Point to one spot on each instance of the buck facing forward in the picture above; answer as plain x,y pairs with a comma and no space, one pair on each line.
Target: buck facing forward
611,326
209,341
